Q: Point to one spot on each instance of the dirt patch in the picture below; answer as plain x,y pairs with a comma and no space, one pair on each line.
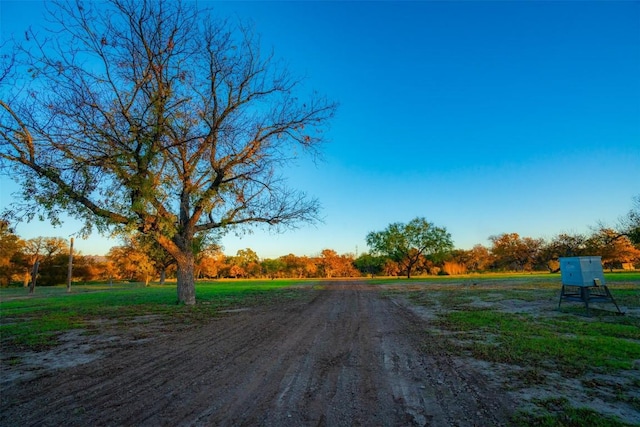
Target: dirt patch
75,349
612,395
344,356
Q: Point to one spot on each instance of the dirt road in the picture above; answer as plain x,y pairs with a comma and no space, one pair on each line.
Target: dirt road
346,356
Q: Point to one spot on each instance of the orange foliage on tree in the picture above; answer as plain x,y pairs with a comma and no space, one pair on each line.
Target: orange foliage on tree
330,264
614,248
512,252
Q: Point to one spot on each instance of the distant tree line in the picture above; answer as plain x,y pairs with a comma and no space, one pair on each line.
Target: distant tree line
511,252
415,248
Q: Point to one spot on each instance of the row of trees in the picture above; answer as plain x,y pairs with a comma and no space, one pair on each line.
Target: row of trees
137,260
19,257
415,248
511,252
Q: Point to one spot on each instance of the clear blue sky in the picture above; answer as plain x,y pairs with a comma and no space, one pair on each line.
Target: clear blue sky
483,117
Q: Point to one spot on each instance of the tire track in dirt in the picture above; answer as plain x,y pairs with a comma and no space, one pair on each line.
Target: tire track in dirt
345,356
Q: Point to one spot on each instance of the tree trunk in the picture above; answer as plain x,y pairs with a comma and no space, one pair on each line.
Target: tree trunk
163,275
186,279
410,264
34,276
70,267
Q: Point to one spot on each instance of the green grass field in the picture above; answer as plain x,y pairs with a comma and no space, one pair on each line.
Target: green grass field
35,321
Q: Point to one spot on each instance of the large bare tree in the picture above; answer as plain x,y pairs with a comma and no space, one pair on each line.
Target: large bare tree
151,116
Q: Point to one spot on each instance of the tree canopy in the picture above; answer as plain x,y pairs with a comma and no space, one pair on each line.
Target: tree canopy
152,116
406,244
630,223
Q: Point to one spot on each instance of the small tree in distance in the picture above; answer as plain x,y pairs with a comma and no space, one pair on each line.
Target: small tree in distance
369,264
407,243
151,116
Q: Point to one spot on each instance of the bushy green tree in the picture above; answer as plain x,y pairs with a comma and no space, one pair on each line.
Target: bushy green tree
407,243
368,264
273,267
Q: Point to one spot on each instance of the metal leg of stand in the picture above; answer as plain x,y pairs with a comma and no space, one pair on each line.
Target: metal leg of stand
584,294
613,300
561,295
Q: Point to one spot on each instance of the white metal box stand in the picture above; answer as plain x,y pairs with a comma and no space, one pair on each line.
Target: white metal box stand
583,280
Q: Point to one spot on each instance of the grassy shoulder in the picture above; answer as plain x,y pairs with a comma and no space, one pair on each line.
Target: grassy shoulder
514,320
32,322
